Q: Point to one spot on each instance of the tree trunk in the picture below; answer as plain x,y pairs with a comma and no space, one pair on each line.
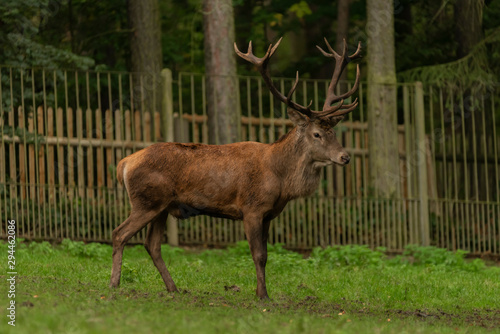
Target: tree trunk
469,32
342,33
220,69
468,25
382,103
146,53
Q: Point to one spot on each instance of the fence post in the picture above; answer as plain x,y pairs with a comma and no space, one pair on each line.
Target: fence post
168,128
423,192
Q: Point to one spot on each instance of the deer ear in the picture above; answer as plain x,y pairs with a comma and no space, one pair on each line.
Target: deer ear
335,120
297,118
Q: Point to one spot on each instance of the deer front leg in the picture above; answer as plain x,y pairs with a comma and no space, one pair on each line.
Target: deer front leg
256,231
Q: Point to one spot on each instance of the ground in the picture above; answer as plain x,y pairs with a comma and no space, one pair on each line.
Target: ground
64,289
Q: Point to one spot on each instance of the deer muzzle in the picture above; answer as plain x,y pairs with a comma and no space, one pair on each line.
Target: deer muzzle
342,159
345,158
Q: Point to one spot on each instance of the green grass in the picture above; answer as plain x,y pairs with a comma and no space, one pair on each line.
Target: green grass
64,289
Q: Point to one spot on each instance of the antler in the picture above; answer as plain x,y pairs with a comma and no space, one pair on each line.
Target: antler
328,111
341,62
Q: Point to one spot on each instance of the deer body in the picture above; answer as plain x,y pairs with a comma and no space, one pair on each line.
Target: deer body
246,181
220,180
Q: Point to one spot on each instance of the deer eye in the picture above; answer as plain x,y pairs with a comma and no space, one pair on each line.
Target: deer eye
316,135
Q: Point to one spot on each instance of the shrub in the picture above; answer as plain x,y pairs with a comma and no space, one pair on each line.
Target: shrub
439,257
91,250
351,255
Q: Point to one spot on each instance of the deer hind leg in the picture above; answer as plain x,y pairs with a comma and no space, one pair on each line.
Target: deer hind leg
153,245
126,230
256,231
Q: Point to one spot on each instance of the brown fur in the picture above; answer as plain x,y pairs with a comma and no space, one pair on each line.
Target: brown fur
246,181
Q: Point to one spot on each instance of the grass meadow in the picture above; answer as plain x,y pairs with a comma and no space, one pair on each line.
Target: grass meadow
64,289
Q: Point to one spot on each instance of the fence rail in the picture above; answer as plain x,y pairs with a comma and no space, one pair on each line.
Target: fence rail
57,164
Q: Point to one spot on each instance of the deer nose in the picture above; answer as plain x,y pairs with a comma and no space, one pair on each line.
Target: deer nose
345,158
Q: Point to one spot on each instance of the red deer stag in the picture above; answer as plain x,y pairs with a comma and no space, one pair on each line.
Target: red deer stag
246,181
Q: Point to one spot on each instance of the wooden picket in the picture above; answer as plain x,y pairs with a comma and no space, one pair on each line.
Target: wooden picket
90,155
22,170
51,162
41,154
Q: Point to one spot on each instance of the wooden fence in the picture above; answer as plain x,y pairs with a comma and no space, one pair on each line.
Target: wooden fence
63,161
57,170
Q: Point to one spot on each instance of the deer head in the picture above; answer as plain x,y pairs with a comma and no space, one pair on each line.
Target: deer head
315,128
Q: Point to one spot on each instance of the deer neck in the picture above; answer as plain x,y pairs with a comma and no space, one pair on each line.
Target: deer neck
290,160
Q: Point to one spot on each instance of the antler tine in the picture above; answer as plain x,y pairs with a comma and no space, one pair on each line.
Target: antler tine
356,54
338,110
344,49
332,53
328,112
345,111
274,47
354,103
352,90
292,90
290,93
305,110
